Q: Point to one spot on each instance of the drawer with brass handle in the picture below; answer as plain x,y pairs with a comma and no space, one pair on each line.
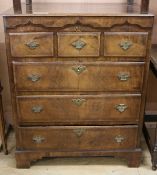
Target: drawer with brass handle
39,44
38,139
87,76
79,137
125,44
78,44
78,109
37,109
34,77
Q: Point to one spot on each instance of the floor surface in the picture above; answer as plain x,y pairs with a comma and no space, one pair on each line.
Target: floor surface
74,166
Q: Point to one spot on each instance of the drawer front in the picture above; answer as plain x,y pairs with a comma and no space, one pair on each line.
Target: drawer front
69,76
125,44
84,109
78,44
38,44
77,138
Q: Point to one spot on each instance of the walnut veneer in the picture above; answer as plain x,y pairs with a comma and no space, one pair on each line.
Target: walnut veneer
78,76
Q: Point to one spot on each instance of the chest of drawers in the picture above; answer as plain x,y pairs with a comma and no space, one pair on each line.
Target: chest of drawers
78,82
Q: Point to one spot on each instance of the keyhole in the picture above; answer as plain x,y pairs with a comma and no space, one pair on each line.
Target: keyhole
78,69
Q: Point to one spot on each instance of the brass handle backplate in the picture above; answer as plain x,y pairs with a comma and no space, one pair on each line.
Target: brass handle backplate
34,77
121,107
119,139
78,44
79,132
37,109
78,101
38,139
32,45
123,76
125,45
79,69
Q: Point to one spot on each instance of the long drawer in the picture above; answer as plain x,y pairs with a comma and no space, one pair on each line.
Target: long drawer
78,109
75,76
71,138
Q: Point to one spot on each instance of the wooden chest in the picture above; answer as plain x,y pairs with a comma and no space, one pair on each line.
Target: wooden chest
78,80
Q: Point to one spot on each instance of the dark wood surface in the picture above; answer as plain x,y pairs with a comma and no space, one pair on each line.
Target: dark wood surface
144,6
154,57
2,125
151,105
150,125
150,133
68,59
17,6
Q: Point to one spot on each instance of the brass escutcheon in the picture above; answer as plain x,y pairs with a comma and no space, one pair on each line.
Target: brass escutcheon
121,107
79,69
32,45
79,132
78,101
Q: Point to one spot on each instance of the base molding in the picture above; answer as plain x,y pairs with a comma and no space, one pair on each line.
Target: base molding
25,158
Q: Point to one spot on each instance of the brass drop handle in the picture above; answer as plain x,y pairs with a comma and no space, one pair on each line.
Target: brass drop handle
119,139
121,107
123,76
125,45
37,109
32,45
78,101
38,139
78,44
79,132
79,69
34,77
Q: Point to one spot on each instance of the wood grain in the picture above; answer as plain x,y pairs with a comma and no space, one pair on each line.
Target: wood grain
91,138
21,43
94,109
113,43
90,48
60,76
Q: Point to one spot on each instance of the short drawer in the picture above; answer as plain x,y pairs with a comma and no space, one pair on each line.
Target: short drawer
39,44
79,138
126,44
79,109
78,44
89,76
